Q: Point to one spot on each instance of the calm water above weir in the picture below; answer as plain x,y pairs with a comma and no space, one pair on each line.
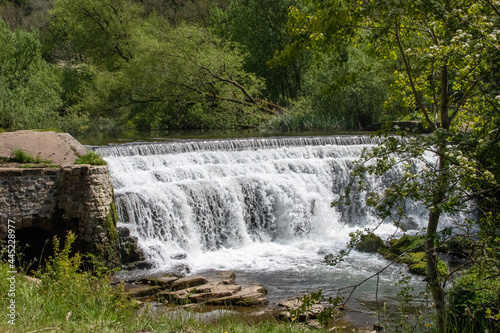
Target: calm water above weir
258,206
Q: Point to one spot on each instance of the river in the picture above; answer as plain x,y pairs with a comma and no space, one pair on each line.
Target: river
258,206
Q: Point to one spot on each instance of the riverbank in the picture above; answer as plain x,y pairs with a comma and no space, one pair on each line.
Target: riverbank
62,299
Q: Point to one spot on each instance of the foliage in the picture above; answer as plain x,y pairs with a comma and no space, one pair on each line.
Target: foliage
445,49
101,30
195,12
29,89
305,121
474,301
259,27
91,158
147,74
198,83
20,156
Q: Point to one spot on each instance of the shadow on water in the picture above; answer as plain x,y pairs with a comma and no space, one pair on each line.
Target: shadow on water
96,137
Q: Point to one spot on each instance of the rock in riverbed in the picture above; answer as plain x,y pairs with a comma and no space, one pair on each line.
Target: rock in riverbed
220,289
293,308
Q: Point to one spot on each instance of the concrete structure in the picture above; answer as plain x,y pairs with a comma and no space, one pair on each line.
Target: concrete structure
47,201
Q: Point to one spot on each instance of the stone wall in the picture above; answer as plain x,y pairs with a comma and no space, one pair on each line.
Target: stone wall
75,197
27,196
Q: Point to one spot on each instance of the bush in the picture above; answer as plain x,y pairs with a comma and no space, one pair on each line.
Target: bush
474,302
92,158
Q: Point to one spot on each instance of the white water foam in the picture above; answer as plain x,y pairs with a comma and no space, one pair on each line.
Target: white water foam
258,205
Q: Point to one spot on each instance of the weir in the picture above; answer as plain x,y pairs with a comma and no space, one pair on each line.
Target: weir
242,204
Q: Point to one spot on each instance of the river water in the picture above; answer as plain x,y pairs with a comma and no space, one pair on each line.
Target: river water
258,206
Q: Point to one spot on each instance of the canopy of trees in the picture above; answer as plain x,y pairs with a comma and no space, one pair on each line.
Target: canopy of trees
185,64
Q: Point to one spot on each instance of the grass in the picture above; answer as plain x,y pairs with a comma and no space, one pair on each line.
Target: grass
308,122
92,158
20,156
70,300
77,303
67,299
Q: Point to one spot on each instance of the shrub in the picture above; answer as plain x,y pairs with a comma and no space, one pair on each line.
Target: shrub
92,158
475,302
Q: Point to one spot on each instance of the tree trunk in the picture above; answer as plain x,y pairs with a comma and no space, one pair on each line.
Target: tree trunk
433,279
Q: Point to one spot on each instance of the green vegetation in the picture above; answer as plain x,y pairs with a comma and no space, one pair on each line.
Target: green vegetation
26,160
20,156
67,299
445,75
199,64
370,243
290,65
475,302
91,158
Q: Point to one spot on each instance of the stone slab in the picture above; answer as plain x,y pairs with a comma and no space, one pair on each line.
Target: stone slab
60,148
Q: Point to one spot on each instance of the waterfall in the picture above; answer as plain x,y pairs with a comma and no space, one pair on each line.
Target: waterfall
249,204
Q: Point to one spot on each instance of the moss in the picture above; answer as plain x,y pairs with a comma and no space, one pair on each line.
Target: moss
406,243
414,257
370,243
109,251
34,166
111,221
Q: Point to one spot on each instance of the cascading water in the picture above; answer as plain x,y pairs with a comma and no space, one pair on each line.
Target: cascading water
259,206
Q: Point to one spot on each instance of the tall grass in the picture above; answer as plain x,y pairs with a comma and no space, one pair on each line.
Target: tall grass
309,122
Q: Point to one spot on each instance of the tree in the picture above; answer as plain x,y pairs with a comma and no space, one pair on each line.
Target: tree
29,87
447,51
260,28
191,79
184,11
100,30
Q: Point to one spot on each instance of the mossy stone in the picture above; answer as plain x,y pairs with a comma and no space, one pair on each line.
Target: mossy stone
370,243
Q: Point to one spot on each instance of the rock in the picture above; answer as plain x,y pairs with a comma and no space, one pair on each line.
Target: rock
141,291
180,270
179,256
211,291
138,265
252,295
370,243
229,276
202,293
162,282
128,250
293,306
123,232
314,323
177,297
188,281
409,224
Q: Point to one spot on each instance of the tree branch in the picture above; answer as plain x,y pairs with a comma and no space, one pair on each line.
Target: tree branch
412,84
